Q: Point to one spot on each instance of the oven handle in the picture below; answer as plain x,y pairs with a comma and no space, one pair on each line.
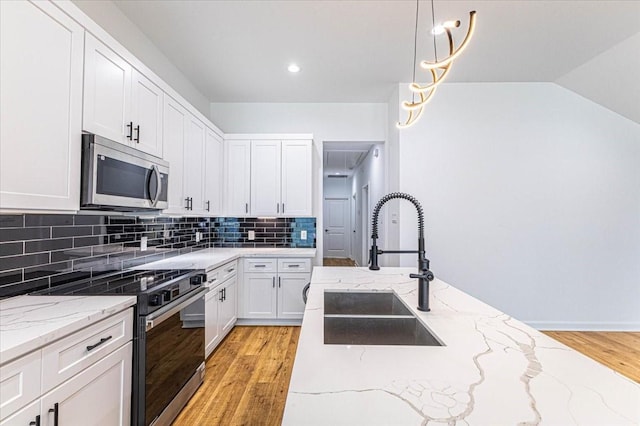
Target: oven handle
155,199
160,316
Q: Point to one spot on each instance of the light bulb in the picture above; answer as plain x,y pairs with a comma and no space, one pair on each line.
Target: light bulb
293,68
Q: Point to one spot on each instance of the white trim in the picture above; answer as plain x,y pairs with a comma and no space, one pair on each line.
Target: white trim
583,326
268,136
268,321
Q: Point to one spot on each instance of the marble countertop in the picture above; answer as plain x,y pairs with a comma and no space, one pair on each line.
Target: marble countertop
30,322
213,257
493,369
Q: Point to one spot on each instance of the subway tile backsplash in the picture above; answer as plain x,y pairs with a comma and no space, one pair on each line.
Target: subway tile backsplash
38,251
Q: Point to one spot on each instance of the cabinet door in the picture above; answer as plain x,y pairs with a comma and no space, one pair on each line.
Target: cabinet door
194,165
211,323
174,131
265,178
100,395
213,173
25,416
20,382
290,303
237,177
260,298
146,114
41,57
229,309
107,92
296,178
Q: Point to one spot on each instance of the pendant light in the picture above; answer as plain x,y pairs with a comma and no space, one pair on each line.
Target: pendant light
437,70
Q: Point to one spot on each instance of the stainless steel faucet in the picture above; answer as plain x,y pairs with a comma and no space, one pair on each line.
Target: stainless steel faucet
425,275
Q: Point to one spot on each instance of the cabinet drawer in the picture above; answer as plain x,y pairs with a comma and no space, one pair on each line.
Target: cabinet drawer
19,383
260,265
294,265
229,270
213,277
69,356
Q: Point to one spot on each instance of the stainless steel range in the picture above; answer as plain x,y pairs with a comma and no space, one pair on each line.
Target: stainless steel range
168,364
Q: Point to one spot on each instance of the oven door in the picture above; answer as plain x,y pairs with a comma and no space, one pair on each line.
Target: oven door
173,354
117,177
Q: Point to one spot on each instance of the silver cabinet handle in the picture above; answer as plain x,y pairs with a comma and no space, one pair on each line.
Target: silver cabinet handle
282,207
274,282
279,282
246,207
278,208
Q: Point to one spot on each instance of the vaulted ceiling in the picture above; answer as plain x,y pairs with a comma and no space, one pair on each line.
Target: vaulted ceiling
355,51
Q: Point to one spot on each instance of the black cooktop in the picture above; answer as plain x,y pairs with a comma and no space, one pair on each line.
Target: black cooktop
154,288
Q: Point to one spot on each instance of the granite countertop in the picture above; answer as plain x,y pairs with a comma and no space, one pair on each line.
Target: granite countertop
30,322
493,369
213,257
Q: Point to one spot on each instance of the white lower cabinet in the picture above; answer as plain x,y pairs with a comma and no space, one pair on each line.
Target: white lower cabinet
272,288
212,327
220,306
82,379
100,395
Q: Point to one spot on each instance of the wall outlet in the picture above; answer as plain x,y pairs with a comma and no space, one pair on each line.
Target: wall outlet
251,235
303,235
143,244
198,236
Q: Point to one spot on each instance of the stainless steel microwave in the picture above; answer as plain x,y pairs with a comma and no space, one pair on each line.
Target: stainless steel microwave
117,177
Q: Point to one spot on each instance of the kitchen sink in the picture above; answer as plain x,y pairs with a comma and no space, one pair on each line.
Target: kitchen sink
380,318
355,303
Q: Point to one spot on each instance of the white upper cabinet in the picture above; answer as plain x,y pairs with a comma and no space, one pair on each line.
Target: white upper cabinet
275,174
174,133
194,166
119,102
146,114
237,162
41,56
265,177
213,173
296,178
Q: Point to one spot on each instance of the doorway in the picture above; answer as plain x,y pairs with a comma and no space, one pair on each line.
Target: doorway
347,168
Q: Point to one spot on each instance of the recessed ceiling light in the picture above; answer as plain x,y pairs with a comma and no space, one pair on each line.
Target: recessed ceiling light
293,68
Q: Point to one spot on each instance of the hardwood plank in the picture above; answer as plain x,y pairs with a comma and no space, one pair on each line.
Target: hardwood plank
331,261
247,379
617,350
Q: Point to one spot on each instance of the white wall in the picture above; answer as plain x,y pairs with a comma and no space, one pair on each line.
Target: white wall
327,121
111,19
611,78
532,202
337,188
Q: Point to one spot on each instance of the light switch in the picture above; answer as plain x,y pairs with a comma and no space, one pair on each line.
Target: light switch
303,235
143,244
252,235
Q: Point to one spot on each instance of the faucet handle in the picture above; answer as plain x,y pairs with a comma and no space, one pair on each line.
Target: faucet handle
427,275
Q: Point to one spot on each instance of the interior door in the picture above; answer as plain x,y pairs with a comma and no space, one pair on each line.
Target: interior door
336,224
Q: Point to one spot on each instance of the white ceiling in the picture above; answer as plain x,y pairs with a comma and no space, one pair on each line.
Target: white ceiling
343,158
355,51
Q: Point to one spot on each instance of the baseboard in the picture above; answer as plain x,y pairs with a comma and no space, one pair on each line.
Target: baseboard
584,326
247,321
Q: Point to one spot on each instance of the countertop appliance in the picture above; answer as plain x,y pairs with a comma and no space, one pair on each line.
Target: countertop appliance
168,361
119,178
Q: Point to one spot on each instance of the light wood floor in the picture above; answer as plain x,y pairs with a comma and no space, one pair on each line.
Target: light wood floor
248,375
331,261
617,350
247,379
